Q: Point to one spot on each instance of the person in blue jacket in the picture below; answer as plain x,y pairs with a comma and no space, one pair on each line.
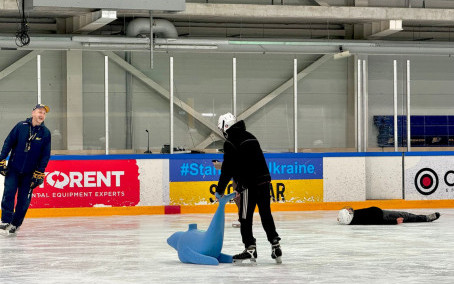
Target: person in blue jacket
29,143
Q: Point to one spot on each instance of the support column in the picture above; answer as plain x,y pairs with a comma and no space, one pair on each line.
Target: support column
351,101
365,101
128,104
74,101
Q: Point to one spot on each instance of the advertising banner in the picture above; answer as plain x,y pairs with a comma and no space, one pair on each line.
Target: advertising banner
88,183
194,181
429,178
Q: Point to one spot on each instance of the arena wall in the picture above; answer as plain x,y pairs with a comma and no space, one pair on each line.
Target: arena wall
180,183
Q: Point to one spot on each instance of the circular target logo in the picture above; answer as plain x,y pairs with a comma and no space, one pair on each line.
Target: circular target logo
449,180
426,181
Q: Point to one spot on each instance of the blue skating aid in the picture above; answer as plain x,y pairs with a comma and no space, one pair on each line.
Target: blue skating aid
203,247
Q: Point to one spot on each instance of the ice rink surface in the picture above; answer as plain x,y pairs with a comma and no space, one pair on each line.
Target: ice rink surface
133,249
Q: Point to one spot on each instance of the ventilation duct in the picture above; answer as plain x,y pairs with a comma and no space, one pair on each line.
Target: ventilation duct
162,28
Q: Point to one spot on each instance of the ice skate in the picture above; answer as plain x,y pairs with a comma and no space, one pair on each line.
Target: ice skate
432,217
3,226
9,230
3,231
236,224
250,253
276,252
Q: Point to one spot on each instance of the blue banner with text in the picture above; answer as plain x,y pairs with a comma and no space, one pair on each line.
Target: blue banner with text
280,169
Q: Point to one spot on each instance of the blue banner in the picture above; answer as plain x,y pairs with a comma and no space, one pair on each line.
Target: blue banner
280,169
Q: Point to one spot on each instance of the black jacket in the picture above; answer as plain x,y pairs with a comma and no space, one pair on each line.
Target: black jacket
37,157
243,160
370,216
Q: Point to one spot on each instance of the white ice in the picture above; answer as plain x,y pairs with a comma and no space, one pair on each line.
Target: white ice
133,249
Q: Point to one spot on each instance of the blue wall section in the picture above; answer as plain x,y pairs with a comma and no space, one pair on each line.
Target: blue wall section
426,130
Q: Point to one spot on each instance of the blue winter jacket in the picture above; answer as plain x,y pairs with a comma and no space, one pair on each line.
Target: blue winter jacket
37,156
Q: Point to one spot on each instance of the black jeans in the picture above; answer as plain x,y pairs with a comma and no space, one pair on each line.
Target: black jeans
250,198
19,183
408,217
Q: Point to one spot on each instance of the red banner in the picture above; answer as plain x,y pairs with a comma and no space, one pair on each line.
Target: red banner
88,183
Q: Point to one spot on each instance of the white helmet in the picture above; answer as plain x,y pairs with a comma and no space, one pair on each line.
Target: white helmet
345,216
225,121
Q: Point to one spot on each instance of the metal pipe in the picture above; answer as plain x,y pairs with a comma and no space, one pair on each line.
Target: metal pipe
151,41
128,104
364,108
110,39
234,85
295,103
115,46
171,105
38,72
396,138
358,109
185,47
161,27
408,109
106,100
225,46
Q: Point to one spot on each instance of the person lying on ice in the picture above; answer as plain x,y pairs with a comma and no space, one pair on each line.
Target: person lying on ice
377,216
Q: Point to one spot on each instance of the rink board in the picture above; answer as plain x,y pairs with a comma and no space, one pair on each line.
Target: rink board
159,184
294,179
288,191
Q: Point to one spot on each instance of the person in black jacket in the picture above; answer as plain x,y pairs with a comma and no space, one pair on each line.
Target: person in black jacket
29,143
377,216
245,163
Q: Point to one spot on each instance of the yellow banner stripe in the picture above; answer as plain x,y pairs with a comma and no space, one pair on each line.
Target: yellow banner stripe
288,191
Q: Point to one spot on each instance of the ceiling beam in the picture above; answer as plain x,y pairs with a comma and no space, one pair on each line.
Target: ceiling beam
321,3
385,28
376,30
158,88
213,137
284,86
270,96
19,63
161,5
249,13
246,31
361,3
36,28
90,22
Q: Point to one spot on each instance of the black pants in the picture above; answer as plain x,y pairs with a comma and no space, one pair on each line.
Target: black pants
250,198
19,183
408,217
